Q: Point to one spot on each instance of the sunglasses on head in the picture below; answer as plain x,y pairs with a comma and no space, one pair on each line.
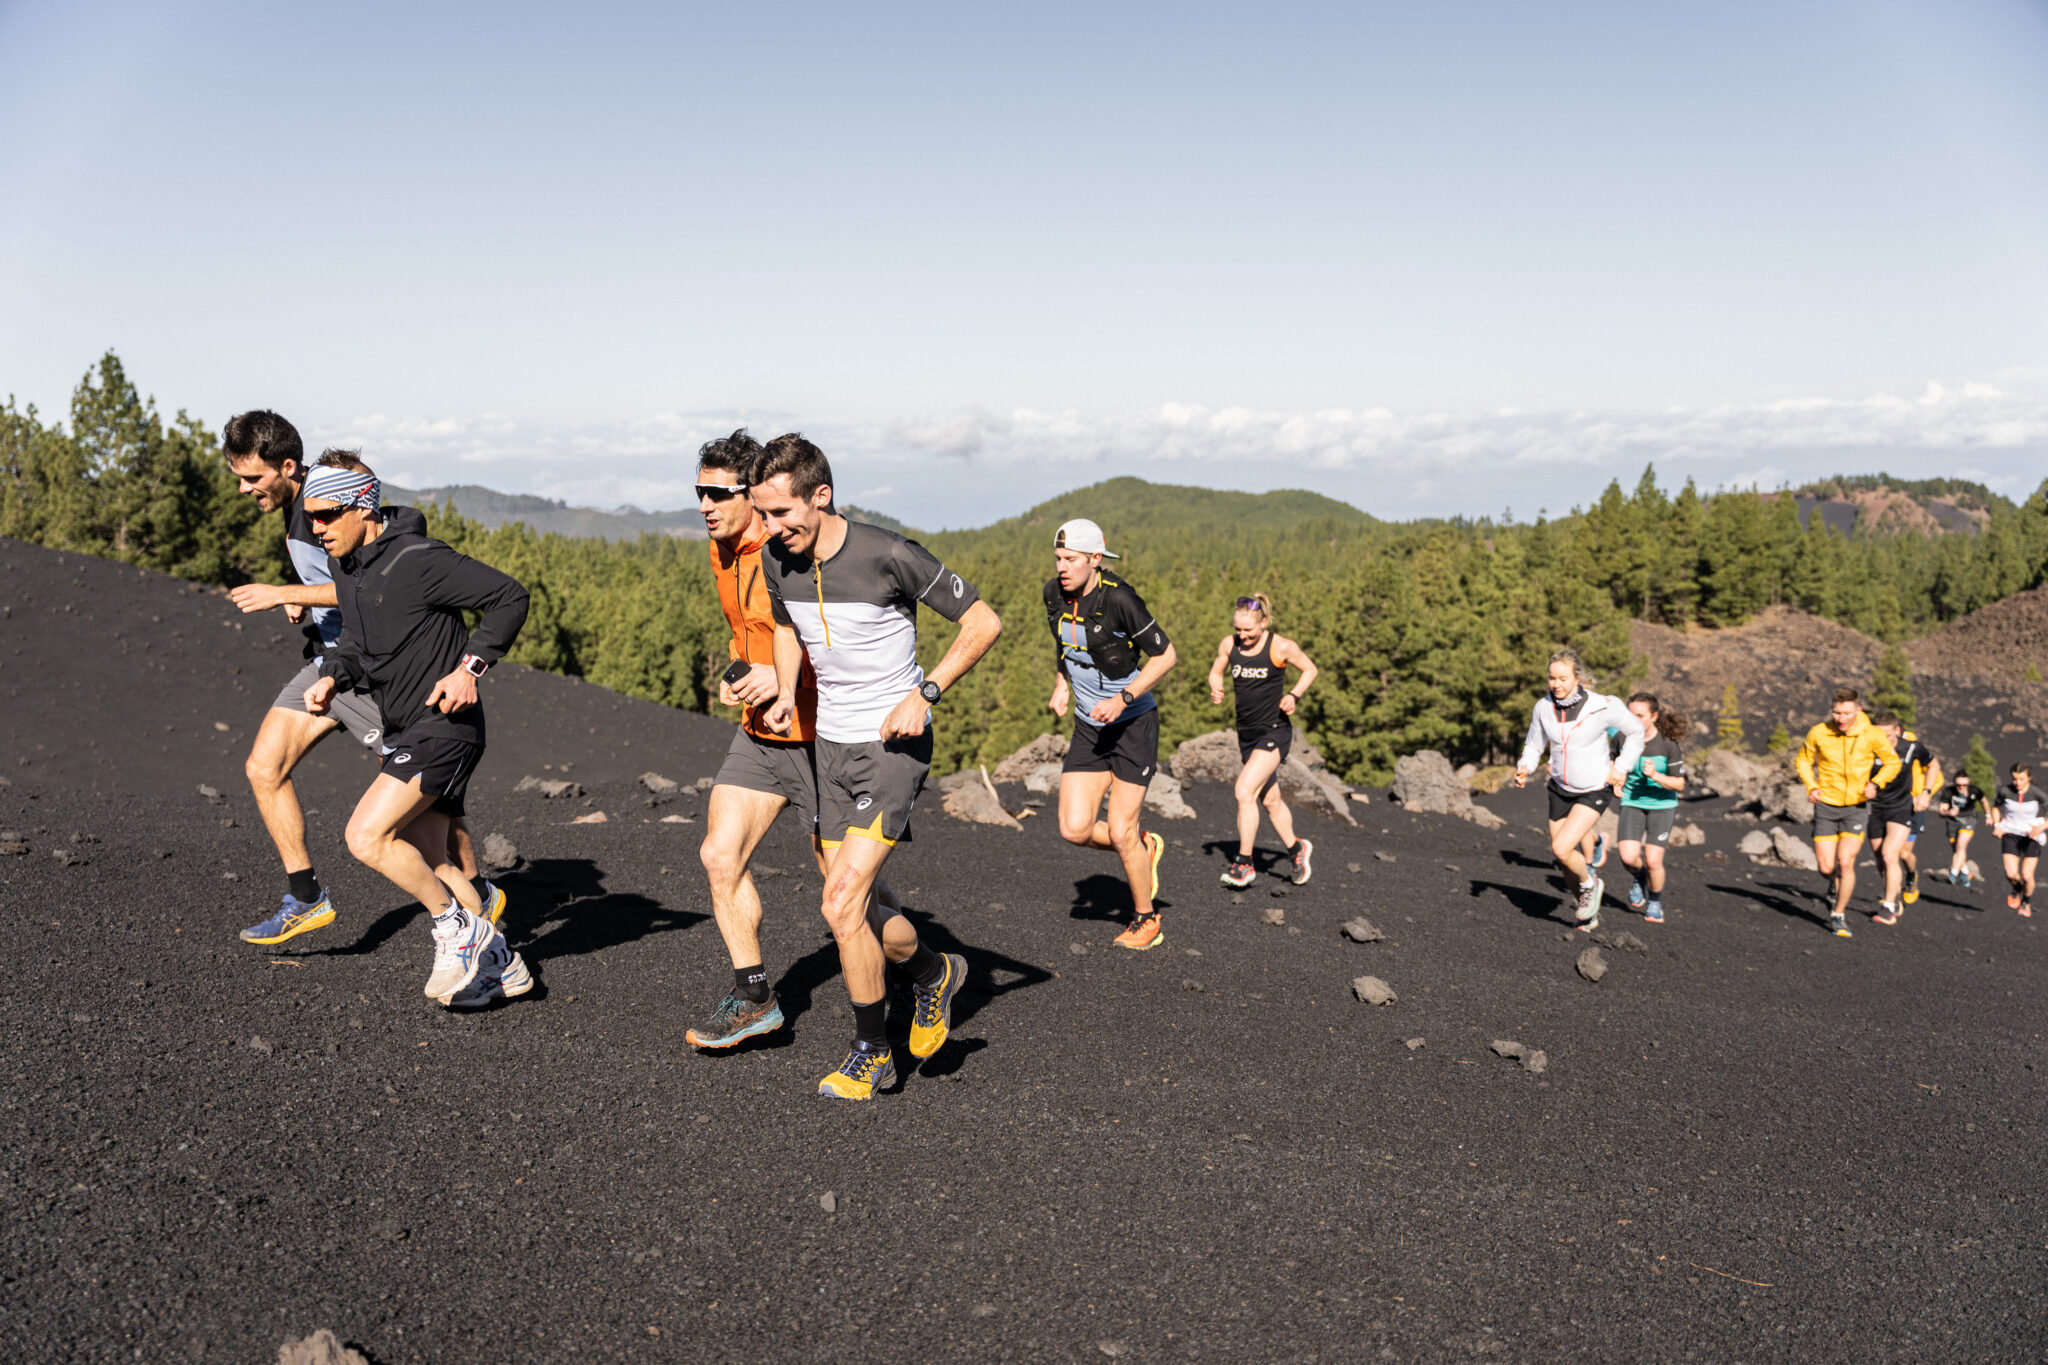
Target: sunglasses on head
1250,604
720,492
326,514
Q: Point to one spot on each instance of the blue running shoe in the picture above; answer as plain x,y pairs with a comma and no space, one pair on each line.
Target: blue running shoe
735,1020
1654,914
293,918
1600,850
1635,896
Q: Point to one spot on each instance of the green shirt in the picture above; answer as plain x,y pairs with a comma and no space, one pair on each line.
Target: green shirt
1660,755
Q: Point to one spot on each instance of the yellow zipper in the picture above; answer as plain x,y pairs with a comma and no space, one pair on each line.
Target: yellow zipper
818,577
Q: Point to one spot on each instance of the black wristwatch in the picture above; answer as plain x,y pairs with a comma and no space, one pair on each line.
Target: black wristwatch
1126,698
930,691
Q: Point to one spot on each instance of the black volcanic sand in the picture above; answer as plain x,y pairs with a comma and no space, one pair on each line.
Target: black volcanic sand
1753,1142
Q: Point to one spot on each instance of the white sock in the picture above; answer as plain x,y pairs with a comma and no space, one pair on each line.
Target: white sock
1586,884
454,907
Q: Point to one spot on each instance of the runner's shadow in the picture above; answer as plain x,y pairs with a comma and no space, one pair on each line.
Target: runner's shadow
1515,859
989,974
380,931
1531,902
1789,908
559,907
1099,897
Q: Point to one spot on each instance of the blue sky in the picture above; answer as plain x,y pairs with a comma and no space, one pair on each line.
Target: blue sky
1431,259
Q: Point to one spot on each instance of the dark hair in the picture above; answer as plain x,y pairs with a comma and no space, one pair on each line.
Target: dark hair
736,452
1843,694
1885,716
2016,769
334,457
806,465
1670,724
265,435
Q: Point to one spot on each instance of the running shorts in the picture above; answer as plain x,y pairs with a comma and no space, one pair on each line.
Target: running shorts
357,711
1646,825
1833,822
1918,827
441,763
1128,749
1279,737
1880,816
1562,801
779,767
2019,846
1958,823
866,790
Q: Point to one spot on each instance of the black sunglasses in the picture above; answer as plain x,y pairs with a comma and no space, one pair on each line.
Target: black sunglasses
326,514
720,492
1251,604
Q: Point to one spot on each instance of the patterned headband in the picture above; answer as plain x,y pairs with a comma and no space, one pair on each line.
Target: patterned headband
347,487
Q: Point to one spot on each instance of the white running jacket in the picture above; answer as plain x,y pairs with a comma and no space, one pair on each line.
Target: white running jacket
1577,740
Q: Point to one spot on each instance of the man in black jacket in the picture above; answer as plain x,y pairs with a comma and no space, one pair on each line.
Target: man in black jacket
402,595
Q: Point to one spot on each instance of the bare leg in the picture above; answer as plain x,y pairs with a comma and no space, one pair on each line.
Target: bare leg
1080,801
1126,804
735,820
428,833
1259,770
1894,869
373,837
284,739
462,849
1653,857
1631,853
854,867
1569,843
1846,848
1280,815
1960,862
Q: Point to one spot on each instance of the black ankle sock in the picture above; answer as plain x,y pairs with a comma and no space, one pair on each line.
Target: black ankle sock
870,1023
924,966
304,885
751,983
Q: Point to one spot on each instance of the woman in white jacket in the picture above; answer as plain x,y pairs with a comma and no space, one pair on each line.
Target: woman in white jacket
1573,723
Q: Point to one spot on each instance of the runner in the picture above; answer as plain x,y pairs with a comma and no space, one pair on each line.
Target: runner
1649,804
1892,813
763,771
2022,831
1100,626
846,594
265,453
1961,806
402,596
1257,661
1842,763
1573,722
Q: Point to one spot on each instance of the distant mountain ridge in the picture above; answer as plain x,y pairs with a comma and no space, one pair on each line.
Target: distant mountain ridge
1878,504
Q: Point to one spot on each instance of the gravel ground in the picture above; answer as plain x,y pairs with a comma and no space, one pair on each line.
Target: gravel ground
1752,1141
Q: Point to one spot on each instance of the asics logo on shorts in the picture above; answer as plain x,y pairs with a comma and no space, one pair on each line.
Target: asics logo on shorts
402,758
864,803
373,736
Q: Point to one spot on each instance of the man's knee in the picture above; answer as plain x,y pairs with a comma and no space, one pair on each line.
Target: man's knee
365,843
1075,832
722,863
265,768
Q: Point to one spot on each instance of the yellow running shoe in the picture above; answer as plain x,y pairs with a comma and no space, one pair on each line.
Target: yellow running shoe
932,1019
864,1072
1145,932
494,903
1912,891
1157,844
293,918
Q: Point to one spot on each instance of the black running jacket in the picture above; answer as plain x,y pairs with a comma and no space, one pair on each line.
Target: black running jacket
402,596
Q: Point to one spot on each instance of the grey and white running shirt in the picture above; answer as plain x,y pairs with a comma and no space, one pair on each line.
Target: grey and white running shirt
1576,735
856,614
309,562
2019,814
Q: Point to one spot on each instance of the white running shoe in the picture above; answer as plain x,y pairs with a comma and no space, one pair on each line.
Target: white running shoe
1588,907
460,939
502,976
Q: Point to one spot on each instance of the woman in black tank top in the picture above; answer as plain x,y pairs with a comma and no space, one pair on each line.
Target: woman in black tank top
1255,662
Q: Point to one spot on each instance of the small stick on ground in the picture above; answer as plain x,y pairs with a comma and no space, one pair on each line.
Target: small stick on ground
1760,1284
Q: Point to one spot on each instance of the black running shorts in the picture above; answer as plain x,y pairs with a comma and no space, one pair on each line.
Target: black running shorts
1880,816
2019,846
1646,824
866,790
443,766
1562,801
779,767
1128,749
1279,737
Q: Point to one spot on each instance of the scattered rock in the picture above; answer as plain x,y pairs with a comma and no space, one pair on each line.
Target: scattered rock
1078,949
1383,856
550,789
679,819
1793,851
1273,914
12,844
1726,773
1188,985
1043,779
1416,1044
1509,1048
321,1348
1353,868
828,1202
1628,943
1361,930
1756,845
66,858
1277,892
1042,750
1207,758
209,793
499,853
1592,964
1373,991
1163,798
968,798
228,823
231,876
262,1045
1535,1061
83,838
659,785
1687,835
1425,782
702,784
1304,781
596,817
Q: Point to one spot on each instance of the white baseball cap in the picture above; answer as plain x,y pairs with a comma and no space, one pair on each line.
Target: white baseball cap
1082,536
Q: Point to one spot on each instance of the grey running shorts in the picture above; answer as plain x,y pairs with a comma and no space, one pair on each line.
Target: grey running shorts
357,711
866,790
1645,825
779,767
1833,822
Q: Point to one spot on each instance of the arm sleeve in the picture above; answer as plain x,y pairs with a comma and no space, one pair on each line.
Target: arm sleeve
1632,738
923,578
1532,747
1674,762
776,606
450,579
1138,625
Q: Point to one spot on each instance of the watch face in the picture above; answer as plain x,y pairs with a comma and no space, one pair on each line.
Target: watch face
929,690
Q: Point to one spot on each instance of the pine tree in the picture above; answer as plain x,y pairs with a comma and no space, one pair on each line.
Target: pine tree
1981,767
1728,729
1780,740
1892,687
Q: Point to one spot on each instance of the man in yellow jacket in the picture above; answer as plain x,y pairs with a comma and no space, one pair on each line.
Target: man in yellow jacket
1842,763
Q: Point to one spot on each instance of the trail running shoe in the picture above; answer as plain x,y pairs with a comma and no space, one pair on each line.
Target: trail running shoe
2012,900
1145,932
459,946
931,1018
293,918
1302,850
502,976
1156,843
1587,907
2026,909
1636,899
1912,891
494,903
1886,914
1239,874
1653,913
1961,879
864,1072
1599,850
1839,923
735,1020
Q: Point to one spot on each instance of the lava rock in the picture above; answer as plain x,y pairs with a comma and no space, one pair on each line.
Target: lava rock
321,1348
209,793
499,853
1793,851
1373,991
1273,914
1509,1048
968,798
1426,782
596,817
1535,1061
1592,964
1416,1044
1361,930
659,785
1163,798
1041,751
552,789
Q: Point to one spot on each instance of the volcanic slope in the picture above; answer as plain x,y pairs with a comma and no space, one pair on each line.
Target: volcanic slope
1753,1141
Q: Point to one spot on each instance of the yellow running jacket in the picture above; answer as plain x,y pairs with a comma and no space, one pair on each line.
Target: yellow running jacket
1838,763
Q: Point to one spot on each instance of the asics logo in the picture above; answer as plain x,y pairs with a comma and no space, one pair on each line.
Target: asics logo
402,758
373,736
959,588
1240,671
864,803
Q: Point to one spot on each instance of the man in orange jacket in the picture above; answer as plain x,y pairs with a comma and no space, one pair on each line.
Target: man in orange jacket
764,770
1842,763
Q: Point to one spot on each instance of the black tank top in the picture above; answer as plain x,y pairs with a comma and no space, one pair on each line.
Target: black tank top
1259,682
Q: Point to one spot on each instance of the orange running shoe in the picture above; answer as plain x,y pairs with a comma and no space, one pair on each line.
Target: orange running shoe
1145,932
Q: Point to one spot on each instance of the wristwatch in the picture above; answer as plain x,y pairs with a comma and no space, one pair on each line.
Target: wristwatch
1126,698
930,691
474,666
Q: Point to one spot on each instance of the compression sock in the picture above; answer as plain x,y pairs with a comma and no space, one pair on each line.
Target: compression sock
870,1024
751,983
305,887
924,966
